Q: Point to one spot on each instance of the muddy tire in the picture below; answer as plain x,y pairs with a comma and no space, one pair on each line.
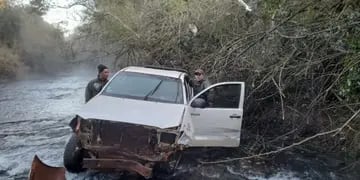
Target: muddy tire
73,155
166,170
162,171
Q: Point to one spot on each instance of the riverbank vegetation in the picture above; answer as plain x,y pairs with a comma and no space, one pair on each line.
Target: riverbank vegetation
27,42
299,59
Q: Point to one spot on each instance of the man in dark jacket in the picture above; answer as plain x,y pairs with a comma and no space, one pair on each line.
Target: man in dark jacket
96,85
200,82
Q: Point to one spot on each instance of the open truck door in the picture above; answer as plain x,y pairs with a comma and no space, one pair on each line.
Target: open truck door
214,116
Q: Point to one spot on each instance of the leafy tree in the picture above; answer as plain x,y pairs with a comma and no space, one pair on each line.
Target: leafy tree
9,26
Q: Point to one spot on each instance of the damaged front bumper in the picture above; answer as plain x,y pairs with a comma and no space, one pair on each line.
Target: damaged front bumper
125,147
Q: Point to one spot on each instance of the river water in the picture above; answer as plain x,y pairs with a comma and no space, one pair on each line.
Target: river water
34,117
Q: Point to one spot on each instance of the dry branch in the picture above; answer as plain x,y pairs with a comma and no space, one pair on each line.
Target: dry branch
337,130
274,28
304,60
347,122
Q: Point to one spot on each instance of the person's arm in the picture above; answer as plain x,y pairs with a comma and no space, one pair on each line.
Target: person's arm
88,92
206,83
208,94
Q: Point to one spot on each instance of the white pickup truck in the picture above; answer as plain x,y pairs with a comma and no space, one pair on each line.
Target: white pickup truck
144,115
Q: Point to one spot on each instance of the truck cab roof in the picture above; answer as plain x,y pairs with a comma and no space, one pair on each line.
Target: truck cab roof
174,73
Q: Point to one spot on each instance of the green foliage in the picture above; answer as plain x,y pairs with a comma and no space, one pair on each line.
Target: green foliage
350,87
28,41
9,62
9,26
350,83
271,6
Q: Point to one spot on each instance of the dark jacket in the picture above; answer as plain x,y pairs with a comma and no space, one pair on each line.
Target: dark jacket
93,88
198,86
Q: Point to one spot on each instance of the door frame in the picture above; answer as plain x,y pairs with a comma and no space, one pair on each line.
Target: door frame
187,127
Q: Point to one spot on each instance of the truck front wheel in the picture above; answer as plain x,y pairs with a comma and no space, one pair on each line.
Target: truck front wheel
73,155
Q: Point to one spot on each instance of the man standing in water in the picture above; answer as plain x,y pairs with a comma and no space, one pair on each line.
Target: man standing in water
96,85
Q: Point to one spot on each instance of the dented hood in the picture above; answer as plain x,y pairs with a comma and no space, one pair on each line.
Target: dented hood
149,113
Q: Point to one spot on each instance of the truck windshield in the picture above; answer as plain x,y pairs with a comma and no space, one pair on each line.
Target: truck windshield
145,87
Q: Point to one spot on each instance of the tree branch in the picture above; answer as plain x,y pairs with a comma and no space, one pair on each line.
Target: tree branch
337,130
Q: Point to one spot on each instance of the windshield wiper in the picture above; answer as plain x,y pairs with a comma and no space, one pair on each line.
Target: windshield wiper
153,90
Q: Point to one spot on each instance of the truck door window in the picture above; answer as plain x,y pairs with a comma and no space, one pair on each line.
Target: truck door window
224,96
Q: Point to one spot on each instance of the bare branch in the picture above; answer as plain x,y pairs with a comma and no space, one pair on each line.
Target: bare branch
336,131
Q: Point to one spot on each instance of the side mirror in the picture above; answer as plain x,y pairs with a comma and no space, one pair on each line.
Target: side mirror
198,103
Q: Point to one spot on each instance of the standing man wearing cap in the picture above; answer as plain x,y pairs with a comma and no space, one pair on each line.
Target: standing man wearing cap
95,85
200,82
